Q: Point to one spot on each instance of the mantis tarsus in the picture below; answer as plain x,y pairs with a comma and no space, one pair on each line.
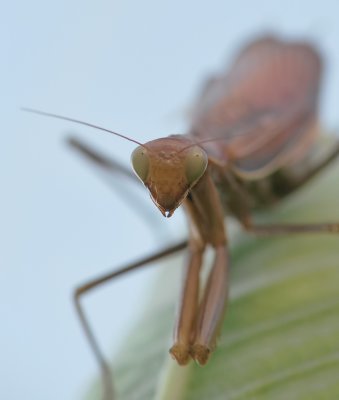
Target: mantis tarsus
251,143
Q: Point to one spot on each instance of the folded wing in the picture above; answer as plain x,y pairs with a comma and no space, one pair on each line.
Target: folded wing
263,110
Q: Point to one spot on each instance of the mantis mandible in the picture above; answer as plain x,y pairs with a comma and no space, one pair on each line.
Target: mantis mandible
252,136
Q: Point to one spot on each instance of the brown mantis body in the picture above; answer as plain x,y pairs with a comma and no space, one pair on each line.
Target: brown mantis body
251,141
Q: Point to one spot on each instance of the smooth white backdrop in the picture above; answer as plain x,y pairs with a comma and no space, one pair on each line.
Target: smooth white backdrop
132,66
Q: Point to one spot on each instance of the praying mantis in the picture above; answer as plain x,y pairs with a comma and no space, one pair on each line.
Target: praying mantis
252,139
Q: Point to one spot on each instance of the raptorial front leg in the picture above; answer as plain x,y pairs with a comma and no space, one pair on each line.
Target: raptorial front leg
187,309
212,307
207,228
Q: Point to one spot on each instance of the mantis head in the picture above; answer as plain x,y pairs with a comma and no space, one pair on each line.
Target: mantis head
169,168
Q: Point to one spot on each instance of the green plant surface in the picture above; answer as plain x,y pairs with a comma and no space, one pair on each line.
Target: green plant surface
280,337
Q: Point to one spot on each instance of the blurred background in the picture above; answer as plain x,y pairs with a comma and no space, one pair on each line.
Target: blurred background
134,67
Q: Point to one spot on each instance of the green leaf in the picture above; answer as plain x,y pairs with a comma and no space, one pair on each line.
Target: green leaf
280,337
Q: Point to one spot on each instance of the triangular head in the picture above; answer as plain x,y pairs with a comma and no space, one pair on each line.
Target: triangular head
169,168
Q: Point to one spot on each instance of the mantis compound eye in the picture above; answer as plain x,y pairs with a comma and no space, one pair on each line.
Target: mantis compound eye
195,164
140,163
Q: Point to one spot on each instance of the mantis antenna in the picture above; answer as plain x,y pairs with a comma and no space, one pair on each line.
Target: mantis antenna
76,121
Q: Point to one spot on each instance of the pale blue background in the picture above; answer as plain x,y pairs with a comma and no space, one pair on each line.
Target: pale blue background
132,66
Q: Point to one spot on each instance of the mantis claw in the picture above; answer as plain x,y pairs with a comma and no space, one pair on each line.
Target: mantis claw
180,352
200,353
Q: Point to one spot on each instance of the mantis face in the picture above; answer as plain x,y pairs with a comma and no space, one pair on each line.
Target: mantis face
169,168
